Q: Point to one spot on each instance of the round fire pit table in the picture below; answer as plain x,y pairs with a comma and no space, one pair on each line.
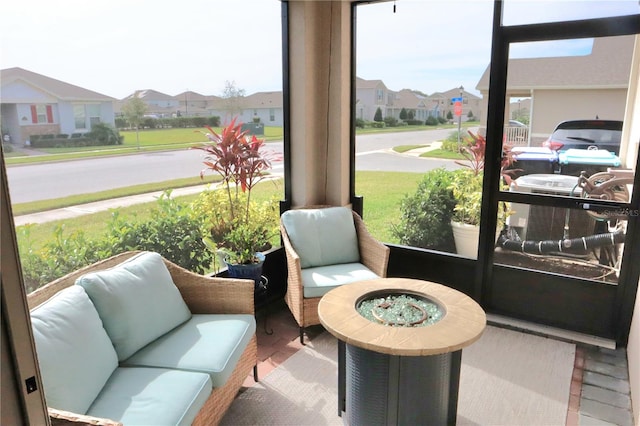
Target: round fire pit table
395,371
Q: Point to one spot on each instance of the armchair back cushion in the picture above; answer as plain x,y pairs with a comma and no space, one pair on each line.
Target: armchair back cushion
137,301
321,237
75,354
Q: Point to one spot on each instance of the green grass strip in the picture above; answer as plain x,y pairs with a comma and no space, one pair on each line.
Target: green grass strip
382,192
73,200
442,153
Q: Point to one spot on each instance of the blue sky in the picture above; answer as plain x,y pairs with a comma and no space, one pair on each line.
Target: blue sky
117,46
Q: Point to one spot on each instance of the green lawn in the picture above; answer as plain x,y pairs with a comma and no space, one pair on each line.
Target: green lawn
443,153
169,139
382,192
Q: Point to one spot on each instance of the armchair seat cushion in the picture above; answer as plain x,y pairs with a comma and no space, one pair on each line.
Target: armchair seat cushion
318,281
152,396
207,343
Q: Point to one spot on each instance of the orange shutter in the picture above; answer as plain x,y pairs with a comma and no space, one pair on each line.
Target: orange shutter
49,114
34,114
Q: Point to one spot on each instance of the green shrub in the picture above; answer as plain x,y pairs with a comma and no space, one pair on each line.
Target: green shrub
7,147
377,124
431,121
172,231
414,122
390,121
426,215
199,121
213,121
360,123
58,257
104,134
213,208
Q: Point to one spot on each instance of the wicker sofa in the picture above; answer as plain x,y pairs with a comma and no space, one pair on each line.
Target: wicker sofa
113,357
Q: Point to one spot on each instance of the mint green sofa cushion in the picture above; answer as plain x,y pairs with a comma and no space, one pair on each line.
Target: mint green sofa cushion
152,396
208,343
137,301
318,281
75,354
322,236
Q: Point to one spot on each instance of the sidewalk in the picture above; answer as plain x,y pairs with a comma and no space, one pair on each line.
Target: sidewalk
98,206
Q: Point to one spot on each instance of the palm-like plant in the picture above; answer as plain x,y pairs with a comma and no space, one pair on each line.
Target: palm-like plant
467,186
241,162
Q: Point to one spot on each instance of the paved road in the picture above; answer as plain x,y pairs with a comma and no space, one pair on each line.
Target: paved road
55,180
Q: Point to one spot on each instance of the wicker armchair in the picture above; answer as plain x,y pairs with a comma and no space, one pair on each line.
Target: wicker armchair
203,295
373,254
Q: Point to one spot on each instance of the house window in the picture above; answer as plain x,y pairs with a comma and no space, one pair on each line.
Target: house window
80,116
379,95
272,114
93,112
41,114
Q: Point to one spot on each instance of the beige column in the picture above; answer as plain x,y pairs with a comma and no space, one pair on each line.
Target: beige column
319,61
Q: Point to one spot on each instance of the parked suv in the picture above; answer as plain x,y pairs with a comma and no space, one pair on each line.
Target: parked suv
586,134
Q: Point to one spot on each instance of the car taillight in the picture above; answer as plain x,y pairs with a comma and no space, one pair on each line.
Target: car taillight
552,145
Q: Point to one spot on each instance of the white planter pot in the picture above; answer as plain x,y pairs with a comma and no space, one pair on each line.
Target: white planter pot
466,238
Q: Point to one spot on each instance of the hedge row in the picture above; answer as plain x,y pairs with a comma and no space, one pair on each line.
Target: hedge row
173,231
100,134
175,122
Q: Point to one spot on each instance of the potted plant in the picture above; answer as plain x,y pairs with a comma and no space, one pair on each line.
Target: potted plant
238,227
467,191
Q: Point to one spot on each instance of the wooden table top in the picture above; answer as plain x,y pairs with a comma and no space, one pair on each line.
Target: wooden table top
462,324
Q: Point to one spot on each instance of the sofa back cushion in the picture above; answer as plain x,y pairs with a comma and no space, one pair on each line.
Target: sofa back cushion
322,237
75,354
137,301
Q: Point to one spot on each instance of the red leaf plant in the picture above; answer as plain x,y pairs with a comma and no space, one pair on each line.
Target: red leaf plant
239,227
474,152
237,158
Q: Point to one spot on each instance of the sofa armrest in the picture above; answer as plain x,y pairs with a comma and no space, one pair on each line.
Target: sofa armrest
213,295
373,254
294,294
67,418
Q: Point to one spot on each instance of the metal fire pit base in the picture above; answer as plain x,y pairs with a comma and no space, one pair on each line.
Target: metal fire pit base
381,389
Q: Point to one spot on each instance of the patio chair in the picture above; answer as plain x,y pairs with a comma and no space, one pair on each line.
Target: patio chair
326,247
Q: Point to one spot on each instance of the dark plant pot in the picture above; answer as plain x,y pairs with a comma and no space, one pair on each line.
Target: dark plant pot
251,271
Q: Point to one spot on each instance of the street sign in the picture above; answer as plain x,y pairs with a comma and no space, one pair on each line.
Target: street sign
457,108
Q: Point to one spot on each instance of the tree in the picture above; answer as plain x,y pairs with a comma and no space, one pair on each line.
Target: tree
411,114
134,110
403,114
449,115
233,98
378,115
470,115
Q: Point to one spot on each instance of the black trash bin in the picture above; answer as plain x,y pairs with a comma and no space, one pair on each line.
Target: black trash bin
533,160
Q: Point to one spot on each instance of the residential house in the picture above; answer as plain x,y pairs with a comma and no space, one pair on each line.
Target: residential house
412,100
470,103
565,88
192,104
267,107
159,105
371,95
34,104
